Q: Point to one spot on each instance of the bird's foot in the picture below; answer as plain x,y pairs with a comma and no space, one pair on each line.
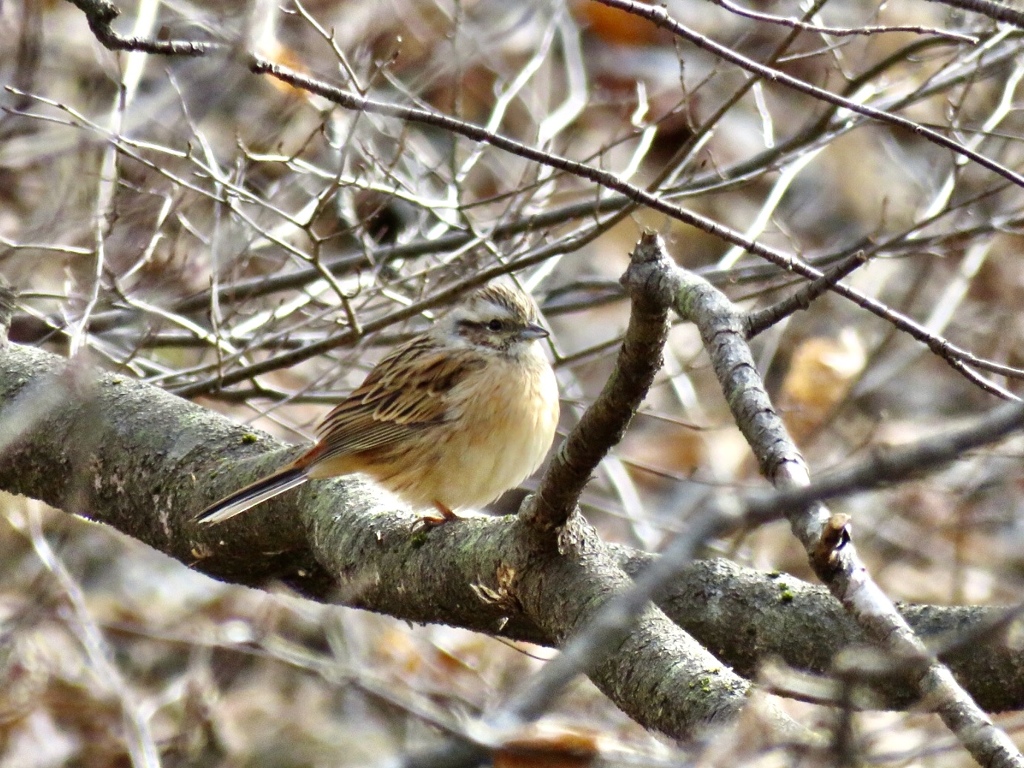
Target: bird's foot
427,522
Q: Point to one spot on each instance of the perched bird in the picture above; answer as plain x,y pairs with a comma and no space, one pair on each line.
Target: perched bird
451,419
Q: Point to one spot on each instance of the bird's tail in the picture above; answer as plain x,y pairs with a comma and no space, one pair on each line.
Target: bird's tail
248,497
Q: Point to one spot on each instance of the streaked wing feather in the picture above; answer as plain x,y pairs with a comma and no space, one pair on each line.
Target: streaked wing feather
406,391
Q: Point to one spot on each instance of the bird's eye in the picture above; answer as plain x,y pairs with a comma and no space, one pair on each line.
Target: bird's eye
495,325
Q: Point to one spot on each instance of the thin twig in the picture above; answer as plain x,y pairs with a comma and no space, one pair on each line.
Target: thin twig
8,303
659,16
843,31
761,320
351,100
101,15
993,10
140,743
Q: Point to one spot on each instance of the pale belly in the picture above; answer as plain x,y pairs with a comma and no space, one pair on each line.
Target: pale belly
510,426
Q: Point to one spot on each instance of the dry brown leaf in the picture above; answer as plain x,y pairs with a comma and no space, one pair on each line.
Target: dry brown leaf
820,374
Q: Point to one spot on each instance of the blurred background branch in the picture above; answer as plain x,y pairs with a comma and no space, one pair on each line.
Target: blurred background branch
241,241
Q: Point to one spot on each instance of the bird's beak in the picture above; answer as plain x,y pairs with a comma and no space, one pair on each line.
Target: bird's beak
533,331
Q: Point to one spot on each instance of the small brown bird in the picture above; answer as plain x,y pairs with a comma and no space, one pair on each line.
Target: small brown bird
451,419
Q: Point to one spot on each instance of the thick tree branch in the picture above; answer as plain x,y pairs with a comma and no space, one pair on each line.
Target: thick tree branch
148,461
159,459
746,617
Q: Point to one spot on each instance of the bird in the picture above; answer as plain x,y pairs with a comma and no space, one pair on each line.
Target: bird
449,420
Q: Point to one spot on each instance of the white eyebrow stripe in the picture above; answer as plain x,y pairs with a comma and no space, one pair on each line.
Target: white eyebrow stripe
501,309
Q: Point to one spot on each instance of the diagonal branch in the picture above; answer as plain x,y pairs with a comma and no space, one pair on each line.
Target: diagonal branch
826,537
994,10
660,17
605,422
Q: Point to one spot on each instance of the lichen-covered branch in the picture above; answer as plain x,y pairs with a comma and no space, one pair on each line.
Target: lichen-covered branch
156,459
826,537
145,462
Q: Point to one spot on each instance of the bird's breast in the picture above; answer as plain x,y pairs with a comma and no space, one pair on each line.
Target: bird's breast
511,421
500,425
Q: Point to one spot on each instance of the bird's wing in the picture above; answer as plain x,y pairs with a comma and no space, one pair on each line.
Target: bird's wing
406,392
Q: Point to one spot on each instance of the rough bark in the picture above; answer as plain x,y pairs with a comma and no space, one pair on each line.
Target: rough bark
146,462
149,461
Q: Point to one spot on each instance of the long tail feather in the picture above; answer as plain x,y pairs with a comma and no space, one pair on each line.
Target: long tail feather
248,497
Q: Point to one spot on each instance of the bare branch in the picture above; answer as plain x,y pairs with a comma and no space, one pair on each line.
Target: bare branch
844,31
8,303
958,358
358,539
101,15
761,320
604,423
658,15
826,537
993,10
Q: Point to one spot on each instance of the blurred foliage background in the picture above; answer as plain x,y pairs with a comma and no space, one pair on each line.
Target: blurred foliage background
202,228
